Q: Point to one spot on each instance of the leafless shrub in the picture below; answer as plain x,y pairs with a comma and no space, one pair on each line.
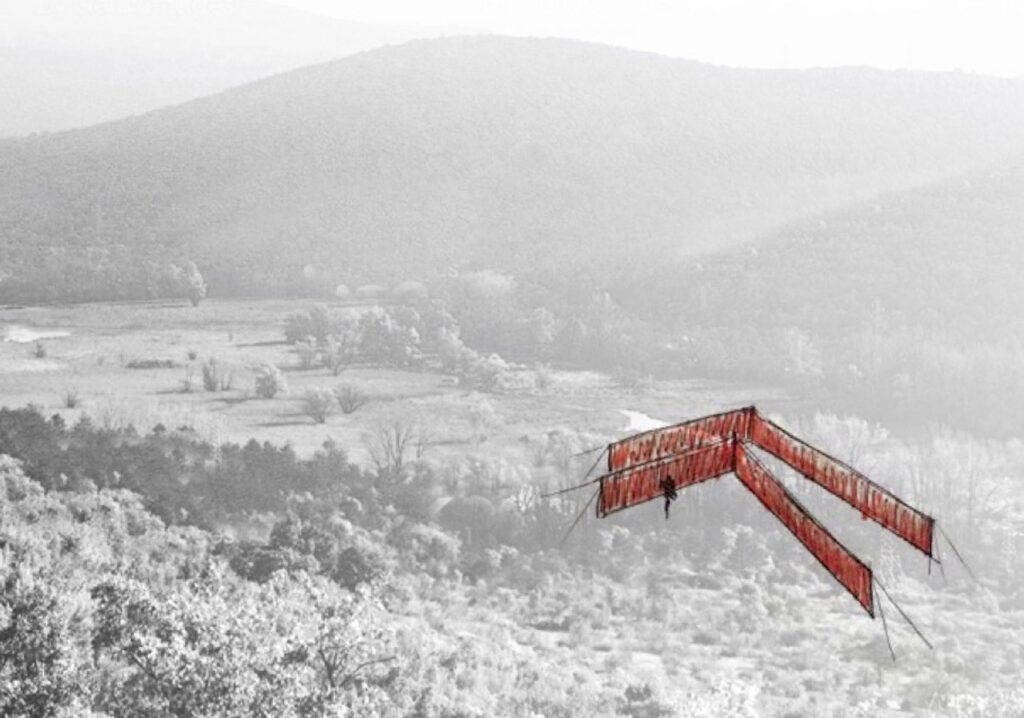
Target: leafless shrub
350,398
215,377
211,375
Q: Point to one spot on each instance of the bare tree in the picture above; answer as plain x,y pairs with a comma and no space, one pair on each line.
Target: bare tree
391,448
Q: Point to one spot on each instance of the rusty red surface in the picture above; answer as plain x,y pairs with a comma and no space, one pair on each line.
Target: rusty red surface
845,482
711,446
846,568
638,484
671,440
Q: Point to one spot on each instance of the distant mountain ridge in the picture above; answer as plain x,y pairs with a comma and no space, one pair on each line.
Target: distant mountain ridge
557,161
65,63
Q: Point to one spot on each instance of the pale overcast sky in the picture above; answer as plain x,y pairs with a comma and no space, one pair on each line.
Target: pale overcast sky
976,35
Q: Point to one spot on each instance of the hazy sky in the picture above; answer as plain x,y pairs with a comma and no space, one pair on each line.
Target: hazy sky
978,35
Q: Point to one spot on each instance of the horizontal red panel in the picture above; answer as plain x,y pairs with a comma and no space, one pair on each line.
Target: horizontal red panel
637,484
872,500
671,440
846,568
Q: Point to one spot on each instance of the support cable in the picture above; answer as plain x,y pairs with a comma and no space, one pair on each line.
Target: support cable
961,558
578,517
582,485
904,614
885,625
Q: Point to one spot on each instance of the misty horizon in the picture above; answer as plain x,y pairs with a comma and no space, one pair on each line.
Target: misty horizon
119,60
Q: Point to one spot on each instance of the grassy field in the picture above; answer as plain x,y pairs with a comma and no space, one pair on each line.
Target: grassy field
89,350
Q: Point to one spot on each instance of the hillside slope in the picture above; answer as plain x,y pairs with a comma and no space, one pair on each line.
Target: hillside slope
570,163
905,308
944,258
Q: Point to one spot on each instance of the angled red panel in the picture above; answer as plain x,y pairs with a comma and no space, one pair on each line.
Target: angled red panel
635,485
872,500
847,569
671,440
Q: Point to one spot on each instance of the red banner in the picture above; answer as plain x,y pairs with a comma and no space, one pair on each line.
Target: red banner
872,500
635,485
850,571
671,440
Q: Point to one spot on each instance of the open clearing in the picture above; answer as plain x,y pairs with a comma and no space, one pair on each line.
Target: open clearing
89,350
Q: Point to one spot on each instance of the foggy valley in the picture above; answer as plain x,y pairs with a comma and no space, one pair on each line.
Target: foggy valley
329,344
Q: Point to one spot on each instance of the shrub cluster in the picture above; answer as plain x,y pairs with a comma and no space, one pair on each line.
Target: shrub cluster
319,403
269,381
489,373
400,336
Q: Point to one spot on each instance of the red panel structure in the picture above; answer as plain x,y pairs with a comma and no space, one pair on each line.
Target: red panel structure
671,440
850,571
872,500
709,447
638,484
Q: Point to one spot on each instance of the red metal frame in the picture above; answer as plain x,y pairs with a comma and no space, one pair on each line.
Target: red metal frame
712,446
838,478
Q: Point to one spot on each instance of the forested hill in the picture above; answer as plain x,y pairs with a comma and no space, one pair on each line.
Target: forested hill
944,258
906,307
564,161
